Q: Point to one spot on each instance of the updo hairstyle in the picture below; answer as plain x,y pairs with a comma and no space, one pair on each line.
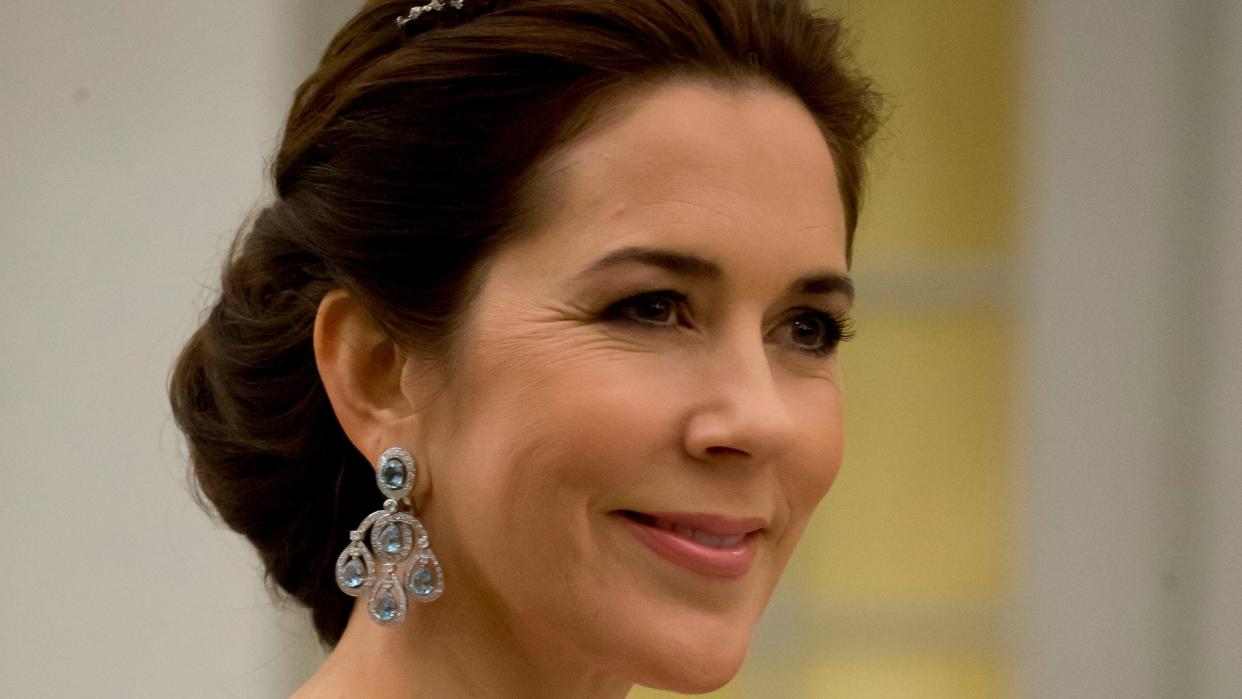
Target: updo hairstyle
408,158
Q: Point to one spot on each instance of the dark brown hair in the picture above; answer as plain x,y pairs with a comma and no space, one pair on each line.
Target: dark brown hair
408,159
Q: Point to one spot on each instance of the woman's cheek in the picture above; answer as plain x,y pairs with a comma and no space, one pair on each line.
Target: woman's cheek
820,449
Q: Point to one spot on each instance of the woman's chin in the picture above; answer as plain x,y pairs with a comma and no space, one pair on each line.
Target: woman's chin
693,676
692,663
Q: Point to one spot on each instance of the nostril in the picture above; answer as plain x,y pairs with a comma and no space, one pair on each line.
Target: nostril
723,451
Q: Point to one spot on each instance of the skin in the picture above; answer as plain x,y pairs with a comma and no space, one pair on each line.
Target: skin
561,407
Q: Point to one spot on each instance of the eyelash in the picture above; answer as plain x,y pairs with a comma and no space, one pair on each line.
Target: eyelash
837,330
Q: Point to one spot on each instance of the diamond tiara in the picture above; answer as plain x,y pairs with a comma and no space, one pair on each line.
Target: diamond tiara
420,10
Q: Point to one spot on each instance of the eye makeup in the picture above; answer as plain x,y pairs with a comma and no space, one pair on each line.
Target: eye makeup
667,309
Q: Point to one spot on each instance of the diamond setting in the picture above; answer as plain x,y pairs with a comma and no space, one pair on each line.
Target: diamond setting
392,536
398,563
395,472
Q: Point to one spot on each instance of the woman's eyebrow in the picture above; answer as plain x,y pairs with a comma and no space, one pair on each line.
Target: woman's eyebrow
679,263
824,283
688,265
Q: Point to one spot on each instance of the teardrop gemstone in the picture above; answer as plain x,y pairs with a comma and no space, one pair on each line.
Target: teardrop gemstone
423,579
391,538
384,606
392,473
355,573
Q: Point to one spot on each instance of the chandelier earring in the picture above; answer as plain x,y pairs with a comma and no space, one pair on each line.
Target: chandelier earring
399,564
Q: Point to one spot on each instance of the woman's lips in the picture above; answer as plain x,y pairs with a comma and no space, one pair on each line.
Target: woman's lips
708,544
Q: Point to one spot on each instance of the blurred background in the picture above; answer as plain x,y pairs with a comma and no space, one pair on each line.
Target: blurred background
1042,495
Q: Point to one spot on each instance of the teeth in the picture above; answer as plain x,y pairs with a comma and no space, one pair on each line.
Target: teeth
702,537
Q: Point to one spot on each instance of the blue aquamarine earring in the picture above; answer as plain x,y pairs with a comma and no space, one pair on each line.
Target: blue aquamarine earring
397,538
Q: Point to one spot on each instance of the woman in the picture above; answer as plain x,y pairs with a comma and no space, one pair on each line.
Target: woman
540,330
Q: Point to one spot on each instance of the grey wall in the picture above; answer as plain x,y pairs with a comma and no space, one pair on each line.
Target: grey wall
1132,299
133,137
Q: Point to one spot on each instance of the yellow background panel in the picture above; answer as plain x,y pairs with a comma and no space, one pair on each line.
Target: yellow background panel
904,677
943,172
919,512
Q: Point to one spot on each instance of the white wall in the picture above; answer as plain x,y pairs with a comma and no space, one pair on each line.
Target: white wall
133,140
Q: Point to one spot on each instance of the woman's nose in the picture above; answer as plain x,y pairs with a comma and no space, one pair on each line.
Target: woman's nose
740,412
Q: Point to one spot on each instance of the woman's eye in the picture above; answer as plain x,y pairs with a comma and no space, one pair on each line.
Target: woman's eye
810,331
655,308
818,333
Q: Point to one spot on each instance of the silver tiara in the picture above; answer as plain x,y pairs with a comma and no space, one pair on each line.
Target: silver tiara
419,10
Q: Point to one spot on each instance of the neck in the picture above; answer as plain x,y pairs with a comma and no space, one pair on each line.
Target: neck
452,647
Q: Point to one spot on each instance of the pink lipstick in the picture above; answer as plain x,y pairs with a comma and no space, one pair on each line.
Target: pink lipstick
709,544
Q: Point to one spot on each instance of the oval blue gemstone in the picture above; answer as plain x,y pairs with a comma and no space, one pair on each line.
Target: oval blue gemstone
393,474
390,538
355,572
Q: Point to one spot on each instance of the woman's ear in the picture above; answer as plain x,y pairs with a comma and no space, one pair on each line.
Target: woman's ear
361,369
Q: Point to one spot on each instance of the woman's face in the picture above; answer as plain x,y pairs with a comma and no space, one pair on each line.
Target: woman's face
645,402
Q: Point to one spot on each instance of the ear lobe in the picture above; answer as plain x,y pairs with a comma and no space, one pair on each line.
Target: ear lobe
361,371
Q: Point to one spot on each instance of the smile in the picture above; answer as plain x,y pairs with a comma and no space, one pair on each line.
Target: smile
707,544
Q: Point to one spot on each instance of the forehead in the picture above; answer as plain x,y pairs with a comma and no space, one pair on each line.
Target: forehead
724,172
